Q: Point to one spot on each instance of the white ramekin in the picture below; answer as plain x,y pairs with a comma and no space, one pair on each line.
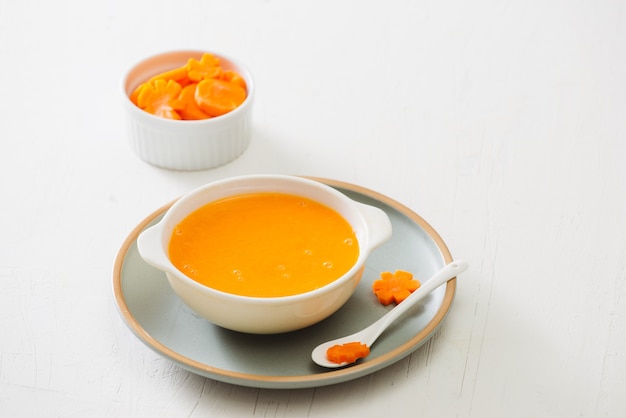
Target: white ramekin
186,144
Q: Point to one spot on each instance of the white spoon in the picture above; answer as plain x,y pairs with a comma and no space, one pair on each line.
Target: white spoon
371,333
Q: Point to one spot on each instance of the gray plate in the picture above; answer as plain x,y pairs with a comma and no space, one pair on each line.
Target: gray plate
165,324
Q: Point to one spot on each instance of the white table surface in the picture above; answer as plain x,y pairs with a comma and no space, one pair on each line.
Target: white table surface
503,124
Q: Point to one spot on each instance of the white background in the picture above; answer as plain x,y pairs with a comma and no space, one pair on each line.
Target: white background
501,123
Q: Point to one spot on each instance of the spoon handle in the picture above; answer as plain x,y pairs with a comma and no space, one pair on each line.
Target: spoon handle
448,272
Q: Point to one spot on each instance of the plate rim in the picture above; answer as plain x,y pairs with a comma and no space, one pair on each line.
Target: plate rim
288,382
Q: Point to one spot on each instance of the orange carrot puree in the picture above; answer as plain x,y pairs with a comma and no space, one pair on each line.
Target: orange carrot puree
264,245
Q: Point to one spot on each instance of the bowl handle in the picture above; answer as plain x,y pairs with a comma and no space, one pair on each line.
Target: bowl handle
378,225
151,249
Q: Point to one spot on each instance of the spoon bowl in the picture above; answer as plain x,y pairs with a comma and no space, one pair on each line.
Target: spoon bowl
370,334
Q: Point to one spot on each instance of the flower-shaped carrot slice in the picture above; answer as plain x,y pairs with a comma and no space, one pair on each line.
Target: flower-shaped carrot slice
347,353
188,109
177,74
160,98
394,287
217,97
207,67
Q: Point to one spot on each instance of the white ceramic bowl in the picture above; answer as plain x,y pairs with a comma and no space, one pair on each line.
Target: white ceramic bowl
273,314
186,144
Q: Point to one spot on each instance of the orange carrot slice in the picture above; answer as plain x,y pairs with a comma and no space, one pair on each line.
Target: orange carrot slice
188,109
207,67
394,287
135,94
177,74
159,98
217,97
233,77
347,353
